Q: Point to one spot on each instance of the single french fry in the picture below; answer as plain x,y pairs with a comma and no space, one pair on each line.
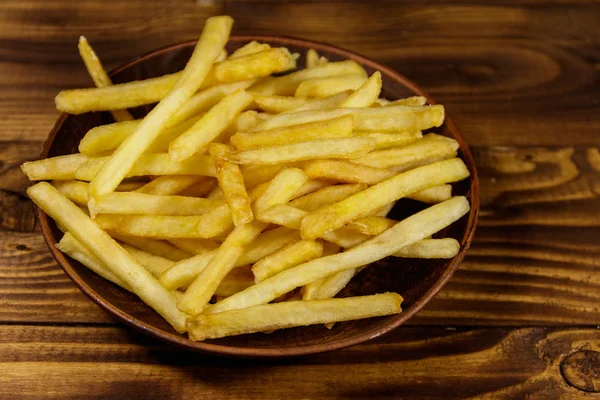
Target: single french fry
326,196
352,147
217,153
334,128
281,189
249,48
430,248
61,168
385,210
76,191
322,103
156,247
231,182
98,74
254,175
77,251
291,255
382,119
209,126
195,246
387,140
287,85
151,164
154,264
310,186
330,286
328,86
279,104
291,313
371,225
369,200
171,184
200,189
431,148
432,195
366,94
254,65
216,194
414,101
314,60
185,271
404,233
213,39
345,172
113,256
148,204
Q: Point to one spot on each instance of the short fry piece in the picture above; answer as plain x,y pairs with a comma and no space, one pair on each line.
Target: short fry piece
148,204
406,232
291,255
366,94
351,147
328,86
345,171
435,194
231,182
292,313
98,74
61,168
333,128
369,200
114,257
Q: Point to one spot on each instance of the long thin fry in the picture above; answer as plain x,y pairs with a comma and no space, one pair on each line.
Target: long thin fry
61,168
232,182
345,171
148,204
171,184
326,196
366,94
279,104
328,86
156,247
291,255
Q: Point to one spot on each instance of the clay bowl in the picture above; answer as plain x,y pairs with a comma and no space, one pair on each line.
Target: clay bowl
416,280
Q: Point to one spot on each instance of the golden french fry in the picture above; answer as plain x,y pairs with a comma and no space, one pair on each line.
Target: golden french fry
352,147
282,188
328,287
156,247
76,191
385,210
291,313
314,60
430,248
404,233
234,283
366,94
291,255
345,171
287,85
414,101
369,200
310,186
98,74
322,103
213,39
371,225
217,153
154,264
279,104
254,175
433,195
249,48
216,194
195,246
333,128
61,168
205,226
185,271
200,189
171,184
148,204
380,102
254,65
151,164
77,251
387,140
231,182
113,256
209,126
328,86
326,196
431,148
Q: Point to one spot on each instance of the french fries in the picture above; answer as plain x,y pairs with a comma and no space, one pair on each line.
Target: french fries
245,188
292,313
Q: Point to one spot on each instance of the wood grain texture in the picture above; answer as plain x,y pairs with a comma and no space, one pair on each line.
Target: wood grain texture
497,363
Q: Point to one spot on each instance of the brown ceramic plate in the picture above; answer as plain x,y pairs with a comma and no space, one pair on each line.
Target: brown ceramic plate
416,280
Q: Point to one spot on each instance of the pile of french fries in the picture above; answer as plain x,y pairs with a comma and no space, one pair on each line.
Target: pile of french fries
244,202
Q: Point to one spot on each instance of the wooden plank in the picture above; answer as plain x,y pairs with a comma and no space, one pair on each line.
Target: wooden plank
95,362
525,76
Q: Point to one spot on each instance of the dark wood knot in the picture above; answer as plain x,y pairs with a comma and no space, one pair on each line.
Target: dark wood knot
582,370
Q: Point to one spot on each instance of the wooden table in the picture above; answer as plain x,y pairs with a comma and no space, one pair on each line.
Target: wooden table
518,320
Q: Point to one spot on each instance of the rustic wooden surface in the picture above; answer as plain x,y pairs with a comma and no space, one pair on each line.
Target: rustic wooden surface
519,319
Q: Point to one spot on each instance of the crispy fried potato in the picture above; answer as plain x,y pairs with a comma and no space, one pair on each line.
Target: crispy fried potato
148,204
372,225
200,189
326,196
310,186
375,197
430,248
328,86
171,184
213,39
113,256
98,74
414,101
387,140
431,148
279,104
314,60
282,188
254,175
231,182
76,191
156,247
433,195
366,94
291,255
249,48
61,168
411,230
345,172
292,313
334,128
195,246
352,147
185,271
